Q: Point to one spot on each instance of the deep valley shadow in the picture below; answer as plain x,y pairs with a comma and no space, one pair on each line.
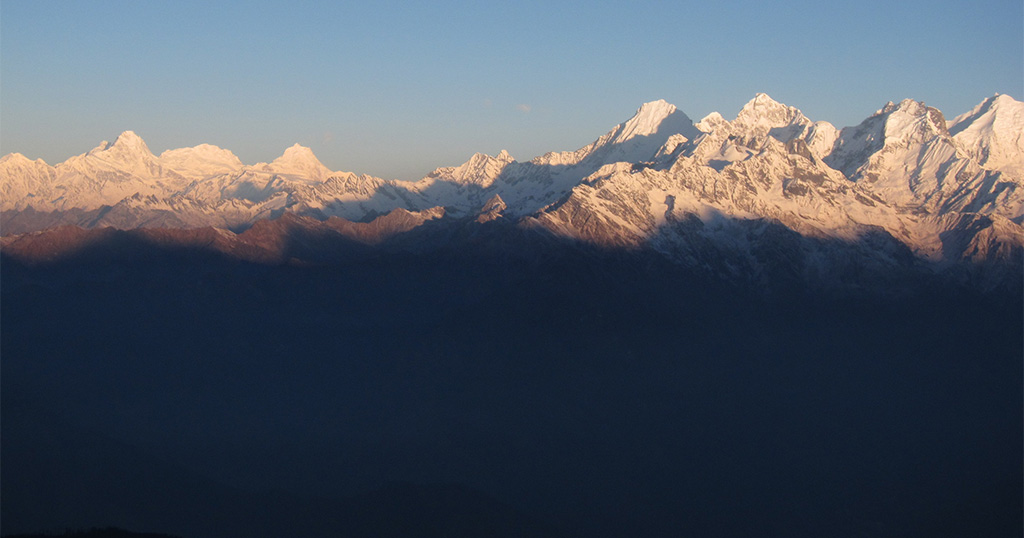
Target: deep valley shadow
503,382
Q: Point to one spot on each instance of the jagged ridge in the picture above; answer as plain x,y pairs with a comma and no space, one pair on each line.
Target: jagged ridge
948,191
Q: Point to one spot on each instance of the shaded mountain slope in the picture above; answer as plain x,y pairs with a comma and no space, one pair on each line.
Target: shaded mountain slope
598,392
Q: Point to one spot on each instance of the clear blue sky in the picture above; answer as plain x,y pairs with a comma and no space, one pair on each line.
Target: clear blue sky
395,89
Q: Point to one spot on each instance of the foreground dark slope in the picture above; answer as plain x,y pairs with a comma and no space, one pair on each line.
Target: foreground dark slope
504,385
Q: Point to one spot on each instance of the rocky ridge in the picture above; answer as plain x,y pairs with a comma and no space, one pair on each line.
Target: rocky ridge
945,191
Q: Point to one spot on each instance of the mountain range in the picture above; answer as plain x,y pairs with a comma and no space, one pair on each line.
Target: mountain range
728,328
906,185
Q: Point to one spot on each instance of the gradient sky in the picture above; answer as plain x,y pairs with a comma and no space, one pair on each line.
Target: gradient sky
395,89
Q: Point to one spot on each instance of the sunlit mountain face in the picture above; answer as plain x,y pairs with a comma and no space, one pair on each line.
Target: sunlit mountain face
947,190
759,326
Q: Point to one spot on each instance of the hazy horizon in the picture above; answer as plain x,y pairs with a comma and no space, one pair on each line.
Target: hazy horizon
395,91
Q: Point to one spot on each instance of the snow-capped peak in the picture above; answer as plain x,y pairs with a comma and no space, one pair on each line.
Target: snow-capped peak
299,160
904,124
296,153
761,119
711,122
635,140
204,151
993,133
647,120
200,161
502,157
127,143
128,153
764,112
643,134
20,159
763,101
913,119
656,118
999,113
130,139
480,169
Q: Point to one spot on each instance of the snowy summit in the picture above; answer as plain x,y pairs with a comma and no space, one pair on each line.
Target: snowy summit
904,170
